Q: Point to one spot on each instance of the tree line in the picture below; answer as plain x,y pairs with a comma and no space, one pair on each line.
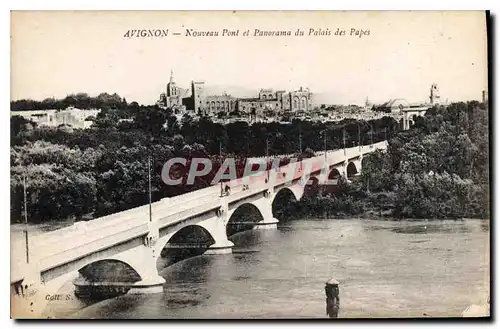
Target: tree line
78,100
438,169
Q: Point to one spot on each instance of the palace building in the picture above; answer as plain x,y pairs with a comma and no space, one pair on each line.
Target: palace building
199,102
278,101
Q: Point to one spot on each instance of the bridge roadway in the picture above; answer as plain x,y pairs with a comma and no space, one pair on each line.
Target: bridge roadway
57,248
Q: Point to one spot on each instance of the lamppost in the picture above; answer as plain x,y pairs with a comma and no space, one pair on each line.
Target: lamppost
151,140
371,127
343,138
359,136
149,183
267,155
323,132
371,135
220,160
26,220
267,151
325,142
300,148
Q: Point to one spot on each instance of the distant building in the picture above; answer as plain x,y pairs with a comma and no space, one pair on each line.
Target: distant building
434,96
199,102
393,106
197,97
268,100
368,104
173,98
219,103
399,105
485,96
73,117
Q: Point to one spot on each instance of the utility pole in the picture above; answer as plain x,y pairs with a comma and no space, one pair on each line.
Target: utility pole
26,221
343,138
385,133
300,149
267,156
248,144
324,132
359,136
220,160
371,133
149,183
300,143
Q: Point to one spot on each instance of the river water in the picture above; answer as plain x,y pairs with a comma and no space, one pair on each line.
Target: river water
385,269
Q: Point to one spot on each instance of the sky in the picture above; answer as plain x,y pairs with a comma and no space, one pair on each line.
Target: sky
54,54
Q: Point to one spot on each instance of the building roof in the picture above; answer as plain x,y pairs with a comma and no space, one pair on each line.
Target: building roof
249,99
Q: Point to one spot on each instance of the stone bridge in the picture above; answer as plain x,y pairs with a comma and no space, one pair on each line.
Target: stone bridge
121,252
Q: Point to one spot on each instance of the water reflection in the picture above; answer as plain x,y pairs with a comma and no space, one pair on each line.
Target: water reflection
454,227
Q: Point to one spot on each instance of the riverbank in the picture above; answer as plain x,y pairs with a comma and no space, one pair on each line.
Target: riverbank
375,216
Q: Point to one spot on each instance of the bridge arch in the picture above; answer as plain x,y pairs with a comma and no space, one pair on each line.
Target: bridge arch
189,241
105,278
284,203
312,185
312,181
243,218
192,234
109,270
351,169
334,174
297,190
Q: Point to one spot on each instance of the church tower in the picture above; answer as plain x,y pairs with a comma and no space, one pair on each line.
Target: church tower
171,88
434,96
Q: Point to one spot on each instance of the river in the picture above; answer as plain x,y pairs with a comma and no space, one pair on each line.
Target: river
385,269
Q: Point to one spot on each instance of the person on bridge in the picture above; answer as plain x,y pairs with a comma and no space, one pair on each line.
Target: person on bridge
227,189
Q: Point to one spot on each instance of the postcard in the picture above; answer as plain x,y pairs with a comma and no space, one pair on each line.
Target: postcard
249,164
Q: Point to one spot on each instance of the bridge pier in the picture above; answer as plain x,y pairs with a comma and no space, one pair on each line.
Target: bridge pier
151,282
221,246
217,228
142,260
267,224
266,209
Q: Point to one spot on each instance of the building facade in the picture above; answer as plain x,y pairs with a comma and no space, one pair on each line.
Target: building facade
201,103
484,96
277,101
197,101
173,98
219,103
73,117
434,96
